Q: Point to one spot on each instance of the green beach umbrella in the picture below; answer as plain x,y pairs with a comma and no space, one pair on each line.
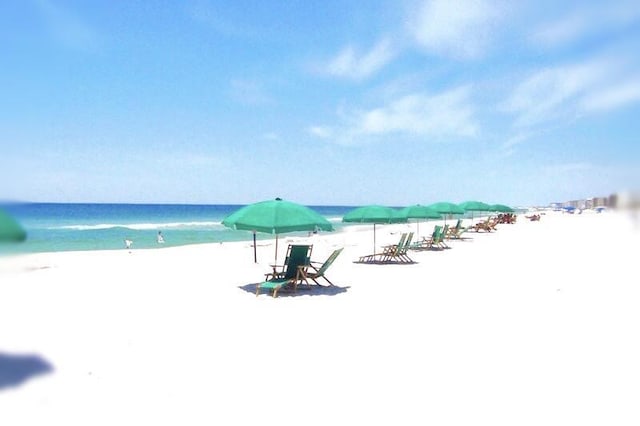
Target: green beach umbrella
420,212
276,217
446,208
375,214
10,229
501,208
475,206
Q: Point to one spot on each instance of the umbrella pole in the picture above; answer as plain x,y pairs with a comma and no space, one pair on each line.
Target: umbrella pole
255,255
374,238
276,261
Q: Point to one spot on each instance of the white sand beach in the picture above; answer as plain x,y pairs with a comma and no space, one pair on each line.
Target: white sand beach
534,324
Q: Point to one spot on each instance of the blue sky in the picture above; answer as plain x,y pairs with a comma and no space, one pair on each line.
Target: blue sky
319,102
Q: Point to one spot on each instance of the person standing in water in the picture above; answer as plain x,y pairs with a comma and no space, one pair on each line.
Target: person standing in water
160,238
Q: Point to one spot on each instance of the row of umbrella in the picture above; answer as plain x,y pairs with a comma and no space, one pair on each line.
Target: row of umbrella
279,216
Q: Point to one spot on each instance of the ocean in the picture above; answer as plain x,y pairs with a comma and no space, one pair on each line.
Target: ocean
53,227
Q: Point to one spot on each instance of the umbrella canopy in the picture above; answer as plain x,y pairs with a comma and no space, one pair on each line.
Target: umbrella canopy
276,217
501,208
10,229
475,206
420,212
445,207
374,214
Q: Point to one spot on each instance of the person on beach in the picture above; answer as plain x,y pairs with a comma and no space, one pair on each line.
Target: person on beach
160,238
127,243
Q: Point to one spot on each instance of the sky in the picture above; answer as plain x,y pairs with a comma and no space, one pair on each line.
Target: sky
319,102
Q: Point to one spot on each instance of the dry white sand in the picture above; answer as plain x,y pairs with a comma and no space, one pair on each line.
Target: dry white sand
535,324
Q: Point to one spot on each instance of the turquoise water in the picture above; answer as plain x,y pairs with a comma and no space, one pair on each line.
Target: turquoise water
65,227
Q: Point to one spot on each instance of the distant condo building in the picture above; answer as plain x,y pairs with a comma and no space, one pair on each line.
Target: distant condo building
620,200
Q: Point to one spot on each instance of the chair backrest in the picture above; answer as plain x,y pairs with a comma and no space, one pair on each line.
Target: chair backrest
297,255
407,243
458,225
329,261
437,234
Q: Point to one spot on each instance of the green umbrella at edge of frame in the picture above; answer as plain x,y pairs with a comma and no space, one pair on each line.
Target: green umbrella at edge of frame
10,229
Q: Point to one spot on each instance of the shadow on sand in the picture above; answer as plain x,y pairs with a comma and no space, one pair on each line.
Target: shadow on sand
17,369
303,290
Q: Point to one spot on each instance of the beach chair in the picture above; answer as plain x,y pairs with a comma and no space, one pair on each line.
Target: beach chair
386,252
397,253
425,242
297,260
314,272
485,225
428,243
402,253
457,231
442,237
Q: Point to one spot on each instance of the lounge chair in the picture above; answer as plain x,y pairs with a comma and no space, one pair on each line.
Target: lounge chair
456,232
443,236
290,273
487,225
430,243
314,272
387,251
399,253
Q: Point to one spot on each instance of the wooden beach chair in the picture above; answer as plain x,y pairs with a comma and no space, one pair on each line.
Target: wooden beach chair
387,251
457,231
399,252
485,225
431,242
314,273
296,261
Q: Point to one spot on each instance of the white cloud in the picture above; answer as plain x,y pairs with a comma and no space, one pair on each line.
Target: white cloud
515,140
322,132
585,20
445,115
560,32
459,29
352,64
570,90
614,96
